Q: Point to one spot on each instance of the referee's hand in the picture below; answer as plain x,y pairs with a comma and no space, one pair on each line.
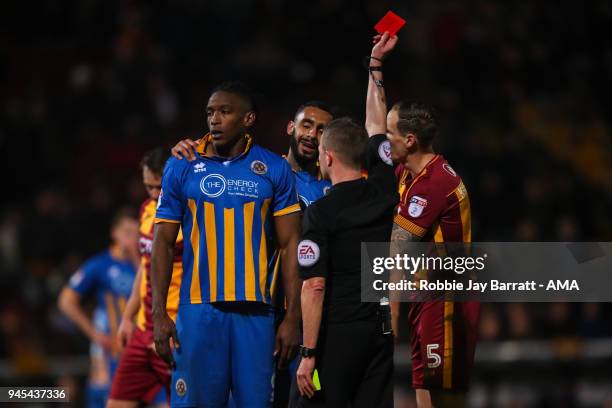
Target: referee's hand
164,331
304,377
383,45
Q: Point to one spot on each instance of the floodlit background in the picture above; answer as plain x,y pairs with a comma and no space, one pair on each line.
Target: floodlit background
522,89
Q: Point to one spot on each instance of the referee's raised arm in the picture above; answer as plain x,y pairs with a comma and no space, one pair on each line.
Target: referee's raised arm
376,102
379,164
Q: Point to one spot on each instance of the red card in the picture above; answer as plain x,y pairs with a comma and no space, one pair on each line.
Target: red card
391,22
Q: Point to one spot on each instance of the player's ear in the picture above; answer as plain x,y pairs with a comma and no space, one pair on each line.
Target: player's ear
290,127
249,119
410,141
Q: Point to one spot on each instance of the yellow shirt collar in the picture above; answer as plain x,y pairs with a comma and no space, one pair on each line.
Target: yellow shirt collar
207,138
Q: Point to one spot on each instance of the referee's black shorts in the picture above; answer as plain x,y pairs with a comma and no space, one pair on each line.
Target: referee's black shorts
355,364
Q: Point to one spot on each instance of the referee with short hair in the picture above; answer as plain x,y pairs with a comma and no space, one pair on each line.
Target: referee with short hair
343,337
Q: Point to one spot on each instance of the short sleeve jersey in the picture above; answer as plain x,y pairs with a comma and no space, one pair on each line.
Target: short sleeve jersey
226,209
434,204
310,188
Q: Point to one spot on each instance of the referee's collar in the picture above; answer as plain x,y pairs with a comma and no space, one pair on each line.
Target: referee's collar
347,185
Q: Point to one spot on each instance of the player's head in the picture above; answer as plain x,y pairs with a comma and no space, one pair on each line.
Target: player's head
306,128
124,230
343,145
410,127
152,165
230,112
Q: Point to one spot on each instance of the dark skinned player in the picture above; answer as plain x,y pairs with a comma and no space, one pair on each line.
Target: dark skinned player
230,202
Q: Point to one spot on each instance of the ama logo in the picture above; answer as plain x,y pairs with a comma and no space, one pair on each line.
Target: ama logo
308,253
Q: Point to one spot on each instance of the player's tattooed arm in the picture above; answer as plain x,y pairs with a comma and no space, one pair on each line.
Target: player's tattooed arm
400,242
402,237
376,102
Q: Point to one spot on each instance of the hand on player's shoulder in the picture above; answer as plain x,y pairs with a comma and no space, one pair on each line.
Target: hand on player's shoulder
185,148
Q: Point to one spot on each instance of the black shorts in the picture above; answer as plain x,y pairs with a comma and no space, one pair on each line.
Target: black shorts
355,365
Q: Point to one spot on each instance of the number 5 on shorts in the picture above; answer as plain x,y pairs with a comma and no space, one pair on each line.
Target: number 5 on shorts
437,360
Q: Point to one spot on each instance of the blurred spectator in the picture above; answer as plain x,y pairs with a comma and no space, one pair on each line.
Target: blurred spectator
490,323
519,321
593,321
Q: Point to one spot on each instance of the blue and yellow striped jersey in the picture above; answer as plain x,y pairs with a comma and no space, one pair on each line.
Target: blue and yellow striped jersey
310,188
225,208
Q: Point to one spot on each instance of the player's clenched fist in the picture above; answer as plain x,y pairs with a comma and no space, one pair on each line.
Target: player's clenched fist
164,330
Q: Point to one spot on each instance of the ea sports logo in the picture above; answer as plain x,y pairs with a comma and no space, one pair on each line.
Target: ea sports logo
308,253
213,185
384,151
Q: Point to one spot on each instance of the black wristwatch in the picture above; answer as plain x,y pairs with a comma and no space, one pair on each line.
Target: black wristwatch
306,352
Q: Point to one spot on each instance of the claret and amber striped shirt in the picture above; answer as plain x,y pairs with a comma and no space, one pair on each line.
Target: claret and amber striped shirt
434,204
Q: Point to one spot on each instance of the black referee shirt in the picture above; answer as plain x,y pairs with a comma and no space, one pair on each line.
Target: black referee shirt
334,227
